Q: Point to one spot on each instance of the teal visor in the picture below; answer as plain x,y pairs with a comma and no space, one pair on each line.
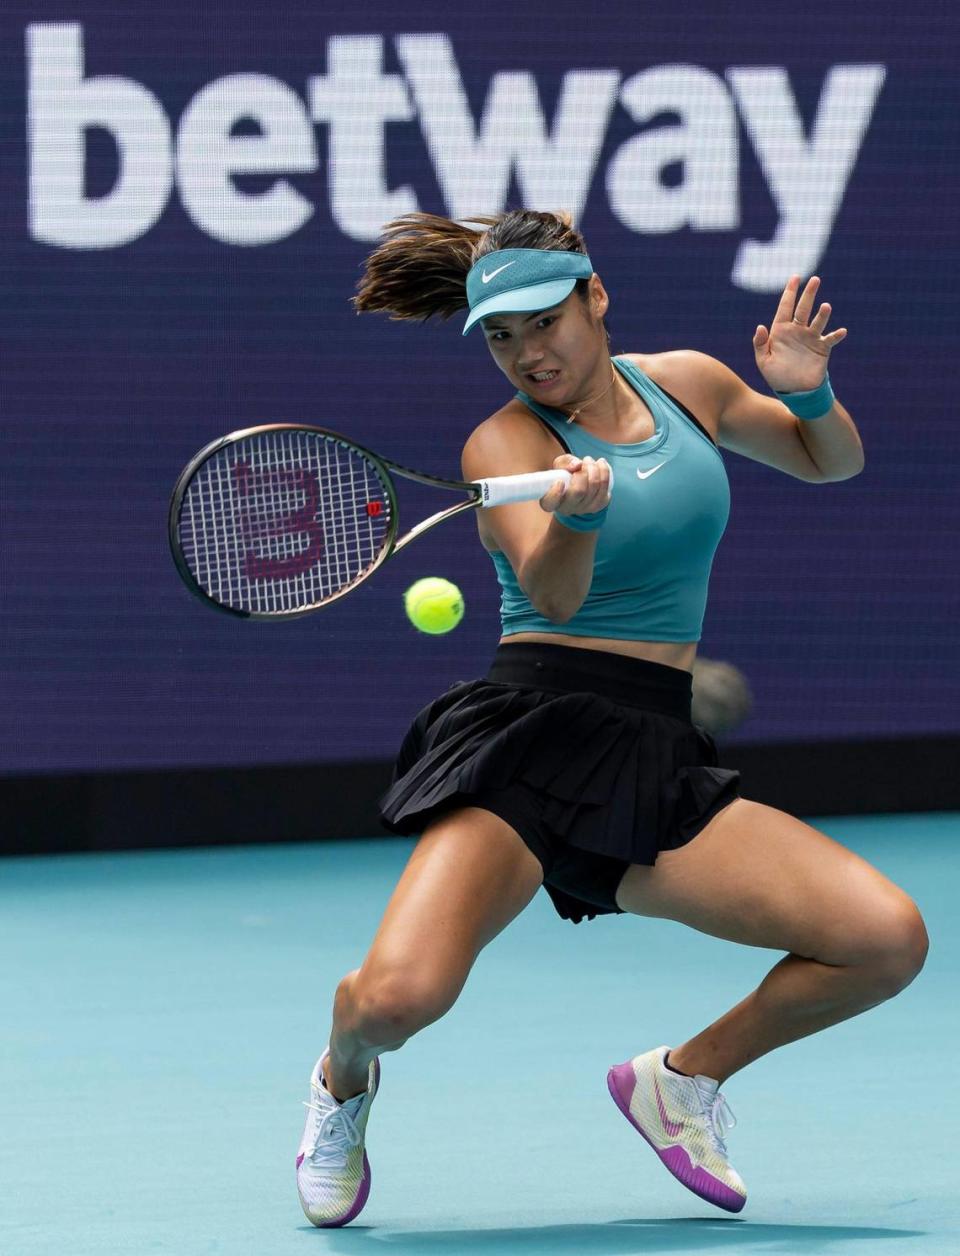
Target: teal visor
514,281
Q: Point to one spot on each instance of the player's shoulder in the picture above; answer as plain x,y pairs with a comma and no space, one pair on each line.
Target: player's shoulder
696,379
674,363
511,439
514,418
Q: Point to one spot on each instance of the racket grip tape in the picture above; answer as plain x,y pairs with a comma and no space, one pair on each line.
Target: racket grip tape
501,490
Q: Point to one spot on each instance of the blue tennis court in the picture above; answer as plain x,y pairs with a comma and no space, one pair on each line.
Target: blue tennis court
163,1011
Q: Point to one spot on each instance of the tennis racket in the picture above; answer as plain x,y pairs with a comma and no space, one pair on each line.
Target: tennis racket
276,521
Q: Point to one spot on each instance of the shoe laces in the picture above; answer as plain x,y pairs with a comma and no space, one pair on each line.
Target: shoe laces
336,1132
719,1116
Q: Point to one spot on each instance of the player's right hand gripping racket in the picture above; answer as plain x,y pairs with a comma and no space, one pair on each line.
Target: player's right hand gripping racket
276,521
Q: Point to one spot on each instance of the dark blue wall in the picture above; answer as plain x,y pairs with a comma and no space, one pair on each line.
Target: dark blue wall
142,319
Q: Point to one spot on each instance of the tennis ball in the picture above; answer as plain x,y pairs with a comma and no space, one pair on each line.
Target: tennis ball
433,605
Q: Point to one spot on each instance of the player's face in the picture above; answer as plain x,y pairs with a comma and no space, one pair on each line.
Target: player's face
553,355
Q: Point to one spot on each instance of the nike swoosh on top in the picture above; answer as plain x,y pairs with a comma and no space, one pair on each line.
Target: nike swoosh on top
486,278
643,475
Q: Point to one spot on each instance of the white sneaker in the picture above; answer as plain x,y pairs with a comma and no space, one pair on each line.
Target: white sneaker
333,1172
685,1120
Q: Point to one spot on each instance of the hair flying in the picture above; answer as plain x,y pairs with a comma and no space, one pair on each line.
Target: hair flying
421,265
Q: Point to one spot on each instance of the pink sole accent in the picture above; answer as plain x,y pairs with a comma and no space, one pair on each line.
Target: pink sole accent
621,1081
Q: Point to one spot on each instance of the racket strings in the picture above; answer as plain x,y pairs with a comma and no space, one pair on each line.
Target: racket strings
282,521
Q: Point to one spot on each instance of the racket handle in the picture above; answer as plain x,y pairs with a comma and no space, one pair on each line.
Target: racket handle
501,490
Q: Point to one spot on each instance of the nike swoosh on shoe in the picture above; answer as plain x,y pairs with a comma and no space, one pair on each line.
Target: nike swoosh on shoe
673,1128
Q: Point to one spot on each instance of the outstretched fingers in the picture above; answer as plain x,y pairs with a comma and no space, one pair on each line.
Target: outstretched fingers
784,312
805,304
821,318
792,310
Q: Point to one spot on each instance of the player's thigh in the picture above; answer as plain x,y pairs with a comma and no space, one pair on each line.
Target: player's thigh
759,876
469,875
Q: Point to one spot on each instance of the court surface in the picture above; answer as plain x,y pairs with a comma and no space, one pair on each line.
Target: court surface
162,1012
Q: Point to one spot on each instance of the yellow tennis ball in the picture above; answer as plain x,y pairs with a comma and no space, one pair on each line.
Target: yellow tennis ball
433,605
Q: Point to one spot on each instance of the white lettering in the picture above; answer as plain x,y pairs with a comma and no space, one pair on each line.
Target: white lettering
61,107
552,168
208,155
356,98
705,142
551,163
807,180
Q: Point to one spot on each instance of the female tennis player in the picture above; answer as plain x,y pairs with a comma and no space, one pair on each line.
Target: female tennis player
574,763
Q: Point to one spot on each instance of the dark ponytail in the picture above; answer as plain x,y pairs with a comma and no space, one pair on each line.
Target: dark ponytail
420,267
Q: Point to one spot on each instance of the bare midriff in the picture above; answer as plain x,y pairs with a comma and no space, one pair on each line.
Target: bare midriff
670,653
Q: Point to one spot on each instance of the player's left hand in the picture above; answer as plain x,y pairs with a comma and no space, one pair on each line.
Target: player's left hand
792,356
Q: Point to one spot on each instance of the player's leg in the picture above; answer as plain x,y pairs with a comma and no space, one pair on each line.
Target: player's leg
759,876
468,876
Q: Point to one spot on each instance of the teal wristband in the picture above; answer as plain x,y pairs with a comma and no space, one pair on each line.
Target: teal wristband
814,404
583,523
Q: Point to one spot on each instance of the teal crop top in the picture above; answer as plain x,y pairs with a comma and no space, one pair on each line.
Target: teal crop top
670,505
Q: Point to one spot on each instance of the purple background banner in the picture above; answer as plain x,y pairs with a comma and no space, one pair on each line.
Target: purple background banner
187,199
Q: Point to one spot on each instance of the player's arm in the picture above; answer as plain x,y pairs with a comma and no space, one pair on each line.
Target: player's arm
793,357
553,563
760,427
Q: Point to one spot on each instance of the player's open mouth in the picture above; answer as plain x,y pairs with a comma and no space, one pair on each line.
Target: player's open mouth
542,378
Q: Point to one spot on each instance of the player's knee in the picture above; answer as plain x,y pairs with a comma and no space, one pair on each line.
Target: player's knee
391,1006
899,948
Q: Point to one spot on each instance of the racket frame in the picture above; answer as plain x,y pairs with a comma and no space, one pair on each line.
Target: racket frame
383,467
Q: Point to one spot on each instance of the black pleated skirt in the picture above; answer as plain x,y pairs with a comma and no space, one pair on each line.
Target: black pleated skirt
591,756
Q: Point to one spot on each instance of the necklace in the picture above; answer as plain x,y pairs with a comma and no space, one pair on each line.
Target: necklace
591,400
